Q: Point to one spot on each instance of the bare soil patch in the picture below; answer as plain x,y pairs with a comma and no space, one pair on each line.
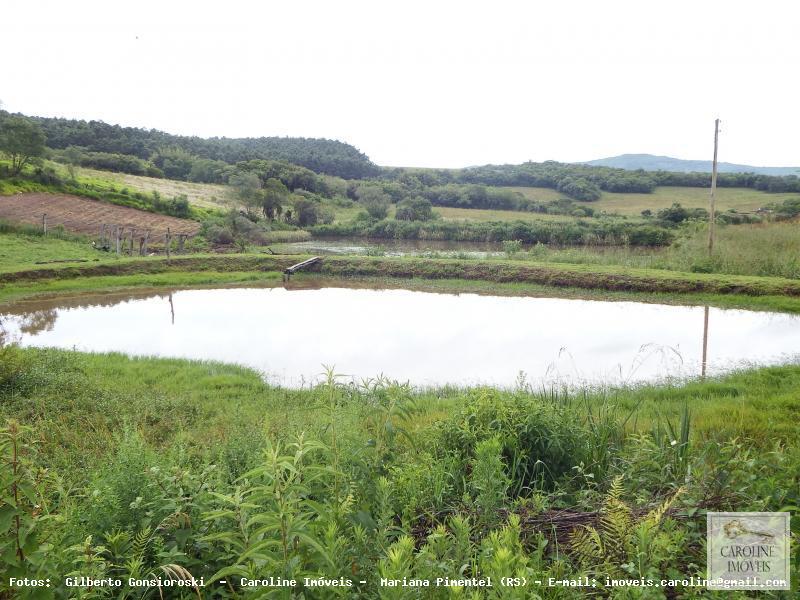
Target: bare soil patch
86,216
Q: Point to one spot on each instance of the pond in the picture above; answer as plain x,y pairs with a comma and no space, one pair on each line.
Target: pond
443,248
392,247
424,338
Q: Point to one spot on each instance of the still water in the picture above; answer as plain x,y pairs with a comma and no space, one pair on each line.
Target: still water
392,247
419,337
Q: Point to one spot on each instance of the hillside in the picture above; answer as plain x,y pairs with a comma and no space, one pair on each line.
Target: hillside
321,155
651,162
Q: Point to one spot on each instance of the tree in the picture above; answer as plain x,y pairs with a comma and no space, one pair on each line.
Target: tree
305,211
273,196
374,199
414,209
22,140
247,190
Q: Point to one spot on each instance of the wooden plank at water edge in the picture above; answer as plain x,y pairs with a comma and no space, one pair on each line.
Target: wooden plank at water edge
301,265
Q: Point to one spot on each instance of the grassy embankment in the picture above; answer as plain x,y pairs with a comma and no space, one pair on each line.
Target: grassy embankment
137,465
523,273
443,274
769,249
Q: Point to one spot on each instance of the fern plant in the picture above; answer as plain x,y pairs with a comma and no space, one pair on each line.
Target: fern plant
621,544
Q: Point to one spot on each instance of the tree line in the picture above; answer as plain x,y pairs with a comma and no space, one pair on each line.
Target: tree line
321,155
583,182
594,232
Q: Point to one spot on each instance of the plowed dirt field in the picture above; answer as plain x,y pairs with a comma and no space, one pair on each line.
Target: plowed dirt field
86,216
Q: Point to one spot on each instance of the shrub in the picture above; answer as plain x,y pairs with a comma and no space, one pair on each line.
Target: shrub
415,209
540,442
13,363
374,200
512,247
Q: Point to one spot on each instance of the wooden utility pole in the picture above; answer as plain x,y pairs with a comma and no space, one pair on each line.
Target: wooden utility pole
711,214
168,240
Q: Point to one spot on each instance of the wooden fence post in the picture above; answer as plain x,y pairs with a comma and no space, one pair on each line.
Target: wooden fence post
169,241
44,224
116,237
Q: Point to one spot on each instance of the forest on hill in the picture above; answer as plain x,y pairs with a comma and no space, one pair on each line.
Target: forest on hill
303,163
148,151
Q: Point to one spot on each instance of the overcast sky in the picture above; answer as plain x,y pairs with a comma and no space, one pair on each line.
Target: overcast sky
429,83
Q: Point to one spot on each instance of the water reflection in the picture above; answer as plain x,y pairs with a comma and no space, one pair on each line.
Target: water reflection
391,247
704,361
451,248
424,338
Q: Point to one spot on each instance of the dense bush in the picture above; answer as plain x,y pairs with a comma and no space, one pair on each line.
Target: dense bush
579,188
106,161
594,232
539,442
414,209
374,200
678,214
787,209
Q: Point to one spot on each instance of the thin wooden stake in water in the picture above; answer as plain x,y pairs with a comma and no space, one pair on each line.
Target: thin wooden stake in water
705,342
711,214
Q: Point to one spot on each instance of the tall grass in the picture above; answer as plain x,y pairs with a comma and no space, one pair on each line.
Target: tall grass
769,249
138,468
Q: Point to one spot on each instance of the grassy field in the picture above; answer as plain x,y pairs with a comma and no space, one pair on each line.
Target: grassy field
201,194
479,214
155,463
769,249
19,251
740,199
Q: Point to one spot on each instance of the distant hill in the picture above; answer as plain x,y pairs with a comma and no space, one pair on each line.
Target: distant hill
650,162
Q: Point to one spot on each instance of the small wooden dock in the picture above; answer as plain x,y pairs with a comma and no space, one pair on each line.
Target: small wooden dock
289,271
